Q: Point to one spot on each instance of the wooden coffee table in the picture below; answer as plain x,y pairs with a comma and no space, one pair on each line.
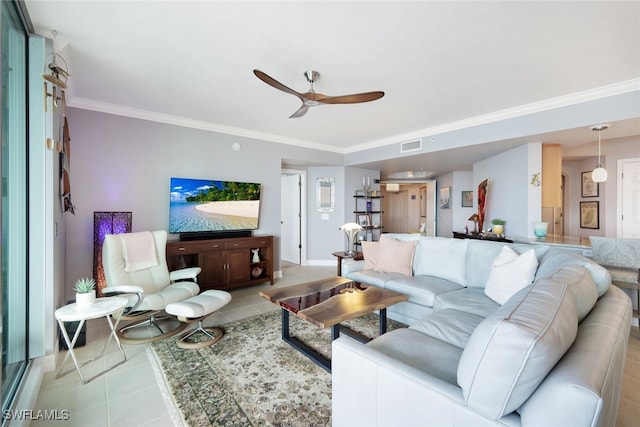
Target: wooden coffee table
325,303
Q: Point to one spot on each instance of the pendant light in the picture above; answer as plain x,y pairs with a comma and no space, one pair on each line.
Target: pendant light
599,174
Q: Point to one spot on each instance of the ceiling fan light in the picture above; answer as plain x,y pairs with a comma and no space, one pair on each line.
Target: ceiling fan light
599,174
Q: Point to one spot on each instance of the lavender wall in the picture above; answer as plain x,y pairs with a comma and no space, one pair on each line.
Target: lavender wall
124,164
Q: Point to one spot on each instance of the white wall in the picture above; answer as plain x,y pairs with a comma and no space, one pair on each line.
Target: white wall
324,236
510,195
462,181
444,224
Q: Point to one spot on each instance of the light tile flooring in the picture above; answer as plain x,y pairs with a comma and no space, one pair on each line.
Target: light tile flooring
131,395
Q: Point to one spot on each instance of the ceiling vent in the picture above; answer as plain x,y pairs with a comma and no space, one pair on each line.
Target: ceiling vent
411,146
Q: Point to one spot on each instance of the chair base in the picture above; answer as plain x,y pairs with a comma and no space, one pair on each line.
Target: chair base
149,320
213,333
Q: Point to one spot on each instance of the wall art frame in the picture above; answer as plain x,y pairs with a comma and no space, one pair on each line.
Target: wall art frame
590,215
445,198
466,199
588,187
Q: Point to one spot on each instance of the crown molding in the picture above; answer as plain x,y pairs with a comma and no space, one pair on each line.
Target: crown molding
119,110
510,113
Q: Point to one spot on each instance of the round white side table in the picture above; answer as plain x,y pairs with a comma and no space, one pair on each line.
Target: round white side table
103,307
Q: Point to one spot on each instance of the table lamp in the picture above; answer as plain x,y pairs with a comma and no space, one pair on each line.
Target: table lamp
474,218
351,230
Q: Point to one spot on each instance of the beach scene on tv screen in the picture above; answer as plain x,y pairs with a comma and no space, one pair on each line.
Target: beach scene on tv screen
206,205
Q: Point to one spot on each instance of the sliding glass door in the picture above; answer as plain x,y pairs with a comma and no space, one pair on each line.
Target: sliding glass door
13,209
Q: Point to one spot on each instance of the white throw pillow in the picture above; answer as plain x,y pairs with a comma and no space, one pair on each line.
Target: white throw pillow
509,273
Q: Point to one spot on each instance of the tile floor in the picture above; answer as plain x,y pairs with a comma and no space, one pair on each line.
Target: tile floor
131,395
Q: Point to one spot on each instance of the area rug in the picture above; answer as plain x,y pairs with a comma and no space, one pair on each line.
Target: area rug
251,377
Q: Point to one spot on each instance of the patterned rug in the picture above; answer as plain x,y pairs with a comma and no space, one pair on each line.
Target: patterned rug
251,377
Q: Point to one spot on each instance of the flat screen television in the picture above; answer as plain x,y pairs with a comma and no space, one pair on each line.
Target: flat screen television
201,208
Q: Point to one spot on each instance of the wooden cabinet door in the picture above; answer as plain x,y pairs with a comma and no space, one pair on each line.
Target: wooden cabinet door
213,275
238,265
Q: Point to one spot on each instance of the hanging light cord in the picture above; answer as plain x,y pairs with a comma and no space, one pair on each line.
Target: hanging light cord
599,131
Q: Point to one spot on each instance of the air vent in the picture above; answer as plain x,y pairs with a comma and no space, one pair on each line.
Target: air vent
411,146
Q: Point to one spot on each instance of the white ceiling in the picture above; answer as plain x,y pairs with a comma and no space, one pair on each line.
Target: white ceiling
191,62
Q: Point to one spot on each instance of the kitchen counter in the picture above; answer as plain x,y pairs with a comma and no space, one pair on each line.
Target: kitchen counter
578,244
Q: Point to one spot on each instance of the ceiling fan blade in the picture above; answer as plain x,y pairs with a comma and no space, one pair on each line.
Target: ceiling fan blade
273,82
352,99
301,112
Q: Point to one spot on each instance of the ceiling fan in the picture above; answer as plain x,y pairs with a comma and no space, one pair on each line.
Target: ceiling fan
312,98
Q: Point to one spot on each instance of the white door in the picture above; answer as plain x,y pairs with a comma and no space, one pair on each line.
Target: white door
290,229
630,199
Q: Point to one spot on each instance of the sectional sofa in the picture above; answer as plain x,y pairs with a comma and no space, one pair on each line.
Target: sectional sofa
499,335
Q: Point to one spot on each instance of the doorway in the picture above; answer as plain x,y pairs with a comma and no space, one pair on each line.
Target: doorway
628,224
411,209
292,217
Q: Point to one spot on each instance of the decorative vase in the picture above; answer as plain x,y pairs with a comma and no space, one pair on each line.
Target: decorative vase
85,299
540,229
256,272
256,255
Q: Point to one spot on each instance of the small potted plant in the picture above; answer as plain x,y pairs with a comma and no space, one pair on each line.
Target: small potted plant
498,226
85,291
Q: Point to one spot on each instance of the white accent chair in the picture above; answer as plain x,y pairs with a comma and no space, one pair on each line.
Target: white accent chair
149,288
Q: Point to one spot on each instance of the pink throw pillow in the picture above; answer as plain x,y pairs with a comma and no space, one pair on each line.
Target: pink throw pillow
370,253
395,256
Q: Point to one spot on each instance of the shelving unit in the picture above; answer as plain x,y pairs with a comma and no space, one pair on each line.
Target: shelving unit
371,206
226,263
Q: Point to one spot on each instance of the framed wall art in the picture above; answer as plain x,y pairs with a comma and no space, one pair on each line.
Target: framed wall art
364,220
467,199
590,215
589,187
445,198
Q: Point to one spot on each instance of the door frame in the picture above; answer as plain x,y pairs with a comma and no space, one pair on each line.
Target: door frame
303,212
620,164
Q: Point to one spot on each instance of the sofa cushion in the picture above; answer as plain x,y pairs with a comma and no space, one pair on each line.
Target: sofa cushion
421,289
420,351
372,277
554,259
510,353
395,256
509,273
448,325
441,257
581,285
480,256
469,300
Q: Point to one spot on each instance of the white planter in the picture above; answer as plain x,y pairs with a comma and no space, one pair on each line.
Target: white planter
86,299
498,229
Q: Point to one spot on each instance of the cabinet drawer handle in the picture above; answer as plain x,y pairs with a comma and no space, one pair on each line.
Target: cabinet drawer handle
264,241
215,246
236,244
181,249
